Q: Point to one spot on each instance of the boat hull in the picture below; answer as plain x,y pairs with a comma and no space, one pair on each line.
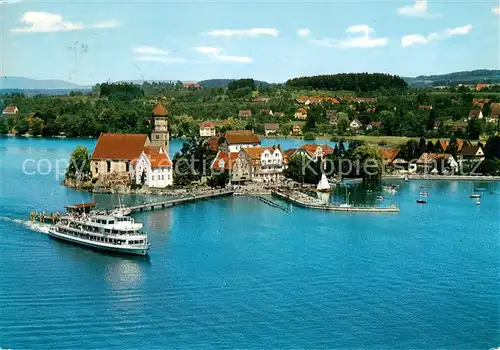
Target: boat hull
104,247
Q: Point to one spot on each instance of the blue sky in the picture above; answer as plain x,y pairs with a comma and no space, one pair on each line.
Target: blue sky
88,41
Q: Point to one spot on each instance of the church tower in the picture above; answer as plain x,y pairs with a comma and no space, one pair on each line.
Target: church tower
159,134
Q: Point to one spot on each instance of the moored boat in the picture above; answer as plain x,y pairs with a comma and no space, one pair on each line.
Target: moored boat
475,195
421,201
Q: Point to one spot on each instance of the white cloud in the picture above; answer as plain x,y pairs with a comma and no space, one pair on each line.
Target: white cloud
496,10
243,32
365,40
150,50
459,30
304,32
413,39
215,53
161,59
417,9
44,22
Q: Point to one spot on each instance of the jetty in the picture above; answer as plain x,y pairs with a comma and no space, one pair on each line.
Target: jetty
273,204
313,203
176,201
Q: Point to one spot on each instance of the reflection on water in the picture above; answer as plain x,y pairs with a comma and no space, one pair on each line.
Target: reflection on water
124,272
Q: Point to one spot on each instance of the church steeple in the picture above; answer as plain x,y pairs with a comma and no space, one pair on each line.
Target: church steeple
159,134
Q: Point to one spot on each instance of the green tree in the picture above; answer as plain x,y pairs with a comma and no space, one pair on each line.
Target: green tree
36,126
22,126
475,128
342,124
79,164
309,136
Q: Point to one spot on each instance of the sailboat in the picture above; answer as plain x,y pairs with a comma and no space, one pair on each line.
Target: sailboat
323,185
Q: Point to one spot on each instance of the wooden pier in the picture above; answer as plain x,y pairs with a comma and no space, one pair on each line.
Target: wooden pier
329,207
273,204
176,201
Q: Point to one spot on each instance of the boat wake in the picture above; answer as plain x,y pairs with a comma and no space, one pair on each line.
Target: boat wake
33,226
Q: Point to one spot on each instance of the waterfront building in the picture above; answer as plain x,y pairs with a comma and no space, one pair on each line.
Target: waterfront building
313,151
301,113
271,128
234,141
442,145
296,130
115,153
207,129
259,164
160,136
224,161
10,110
471,153
442,162
153,168
306,100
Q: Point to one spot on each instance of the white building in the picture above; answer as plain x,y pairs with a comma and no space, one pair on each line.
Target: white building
234,141
355,124
207,129
153,168
259,164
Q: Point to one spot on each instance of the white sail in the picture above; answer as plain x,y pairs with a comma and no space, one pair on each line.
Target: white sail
323,184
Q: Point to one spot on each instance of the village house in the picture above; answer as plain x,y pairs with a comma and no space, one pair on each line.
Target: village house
296,130
471,154
259,164
306,100
475,114
479,87
234,141
114,153
224,161
266,111
437,163
373,125
153,168
10,110
261,100
244,113
314,151
480,101
494,112
424,108
279,114
355,124
207,129
213,143
271,128
358,100
191,84
441,145
437,125
301,114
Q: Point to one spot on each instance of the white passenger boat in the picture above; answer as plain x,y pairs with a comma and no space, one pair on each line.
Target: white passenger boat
116,233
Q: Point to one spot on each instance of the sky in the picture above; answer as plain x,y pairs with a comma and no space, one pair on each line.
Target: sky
86,42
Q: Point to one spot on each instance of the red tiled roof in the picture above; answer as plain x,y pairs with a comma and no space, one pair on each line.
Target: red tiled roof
160,110
11,109
311,148
426,158
254,153
389,154
476,101
422,107
213,143
241,137
271,126
470,151
481,86
229,159
157,159
474,113
245,113
288,153
119,146
207,124
376,124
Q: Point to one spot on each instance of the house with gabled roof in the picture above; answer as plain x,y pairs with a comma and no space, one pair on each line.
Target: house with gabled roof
355,124
207,129
245,113
259,164
115,153
234,141
10,110
224,161
153,168
471,153
314,151
475,114
271,128
301,114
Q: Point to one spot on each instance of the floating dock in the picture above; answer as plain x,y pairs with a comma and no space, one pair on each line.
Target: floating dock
273,204
313,204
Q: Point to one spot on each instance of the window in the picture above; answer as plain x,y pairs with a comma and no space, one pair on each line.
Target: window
127,167
152,177
108,166
157,137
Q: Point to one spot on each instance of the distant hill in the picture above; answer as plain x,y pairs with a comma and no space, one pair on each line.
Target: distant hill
487,76
20,83
224,82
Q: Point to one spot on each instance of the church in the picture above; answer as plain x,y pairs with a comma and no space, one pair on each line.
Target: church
118,155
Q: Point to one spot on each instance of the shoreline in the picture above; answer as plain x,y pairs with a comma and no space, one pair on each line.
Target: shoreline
443,177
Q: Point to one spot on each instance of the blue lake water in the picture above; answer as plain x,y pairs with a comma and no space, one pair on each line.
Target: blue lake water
236,273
